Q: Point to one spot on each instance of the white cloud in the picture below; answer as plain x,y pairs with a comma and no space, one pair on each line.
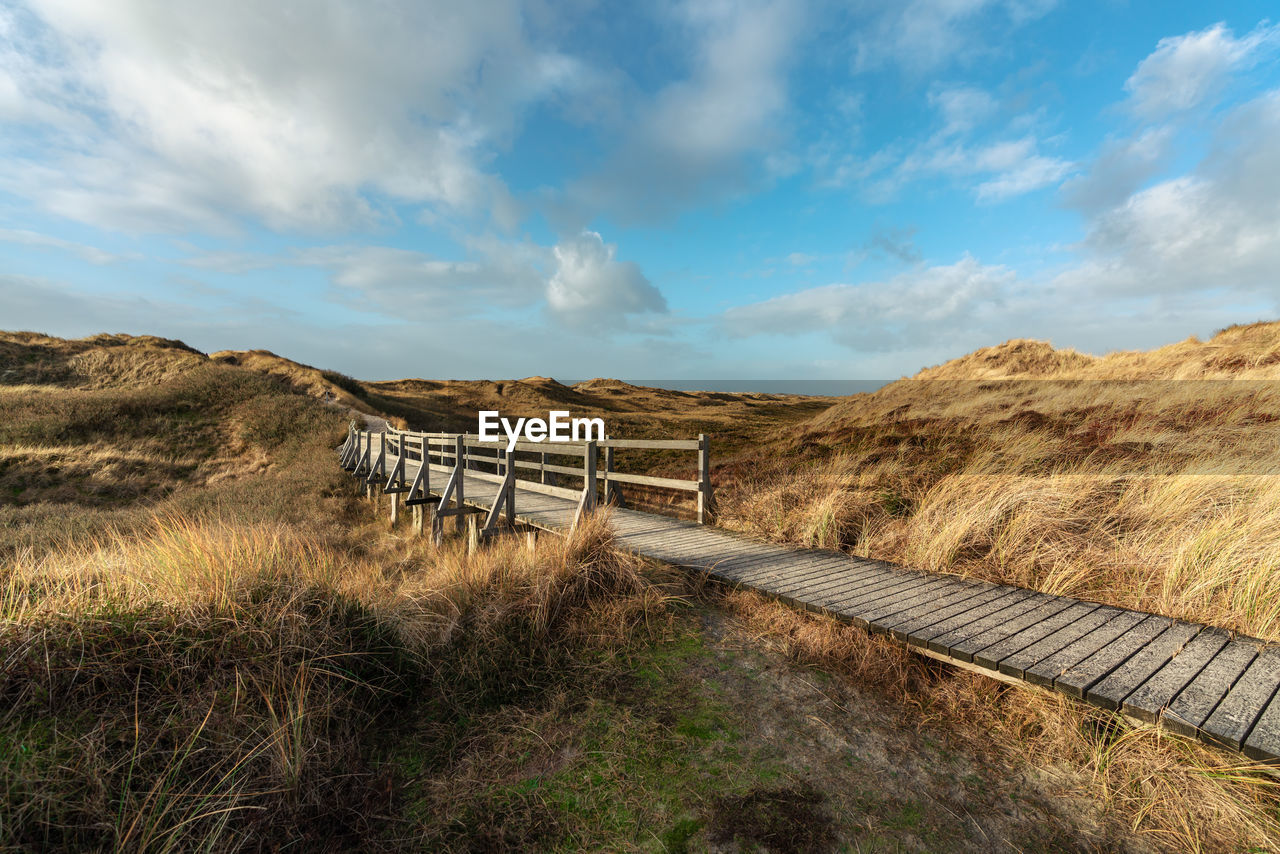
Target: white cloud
1007,168
1214,229
709,134
191,114
924,35
1187,71
92,254
1120,168
919,306
590,285
962,107
737,87
995,165
580,278
1024,172
400,281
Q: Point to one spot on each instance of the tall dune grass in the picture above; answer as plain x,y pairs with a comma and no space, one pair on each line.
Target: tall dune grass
210,687
1145,480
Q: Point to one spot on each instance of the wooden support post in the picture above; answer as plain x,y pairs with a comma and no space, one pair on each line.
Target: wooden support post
608,467
473,533
587,503
378,470
362,453
510,475
395,483
706,498
420,489
589,456
415,519
542,466
395,508
506,496
437,525
460,468
531,540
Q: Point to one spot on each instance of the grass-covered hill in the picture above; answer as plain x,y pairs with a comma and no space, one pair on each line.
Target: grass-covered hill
212,644
108,431
1145,479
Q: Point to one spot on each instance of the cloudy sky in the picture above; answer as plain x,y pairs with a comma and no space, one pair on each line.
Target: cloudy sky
661,190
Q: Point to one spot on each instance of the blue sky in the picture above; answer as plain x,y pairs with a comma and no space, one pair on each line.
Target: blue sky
675,190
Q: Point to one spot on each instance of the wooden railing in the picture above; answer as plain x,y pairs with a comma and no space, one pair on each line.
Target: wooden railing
382,459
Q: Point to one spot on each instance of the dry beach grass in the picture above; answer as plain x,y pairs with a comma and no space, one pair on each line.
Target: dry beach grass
210,642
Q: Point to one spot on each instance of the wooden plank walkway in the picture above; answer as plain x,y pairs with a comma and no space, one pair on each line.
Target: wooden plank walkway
1193,679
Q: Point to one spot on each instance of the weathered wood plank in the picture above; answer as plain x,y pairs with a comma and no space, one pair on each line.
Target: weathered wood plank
1049,668
917,628
1077,678
1016,663
862,608
851,595
1193,705
809,583
1263,742
957,591
1149,699
963,635
991,656
1234,717
1128,677
850,585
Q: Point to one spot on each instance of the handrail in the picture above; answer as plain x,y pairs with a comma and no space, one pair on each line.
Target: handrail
454,453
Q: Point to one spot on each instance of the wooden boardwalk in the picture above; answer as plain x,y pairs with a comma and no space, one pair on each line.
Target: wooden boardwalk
1192,679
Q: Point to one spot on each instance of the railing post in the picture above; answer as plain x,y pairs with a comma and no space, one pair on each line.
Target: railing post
589,467
542,466
608,467
587,503
706,498
509,472
460,466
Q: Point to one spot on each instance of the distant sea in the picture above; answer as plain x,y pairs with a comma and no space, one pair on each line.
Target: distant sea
828,388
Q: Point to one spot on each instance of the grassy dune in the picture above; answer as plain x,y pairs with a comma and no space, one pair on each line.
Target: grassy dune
1145,480
208,640
212,644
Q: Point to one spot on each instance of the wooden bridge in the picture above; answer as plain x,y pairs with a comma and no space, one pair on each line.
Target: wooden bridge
1192,679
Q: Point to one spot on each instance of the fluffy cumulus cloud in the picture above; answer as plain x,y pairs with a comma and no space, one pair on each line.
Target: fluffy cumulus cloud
709,133
910,309
1121,167
1216,228
580,280
1187,71
591,285
188,114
